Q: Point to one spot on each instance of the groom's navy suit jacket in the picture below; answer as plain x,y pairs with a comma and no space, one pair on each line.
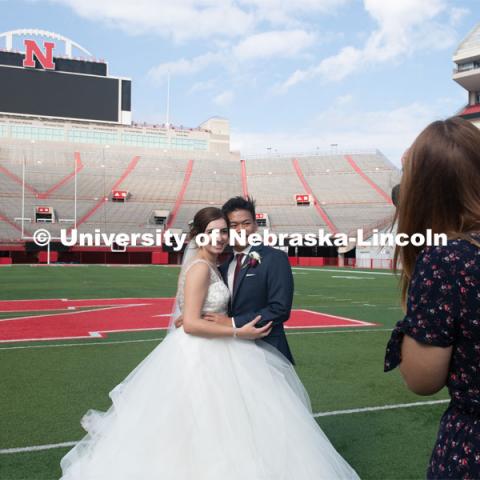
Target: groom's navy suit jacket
265,289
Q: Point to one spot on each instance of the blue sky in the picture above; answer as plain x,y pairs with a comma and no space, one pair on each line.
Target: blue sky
290,75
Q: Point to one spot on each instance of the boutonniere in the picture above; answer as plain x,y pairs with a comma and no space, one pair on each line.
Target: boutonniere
254,259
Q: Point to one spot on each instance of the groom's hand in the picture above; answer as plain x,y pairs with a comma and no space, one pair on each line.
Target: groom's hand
219,318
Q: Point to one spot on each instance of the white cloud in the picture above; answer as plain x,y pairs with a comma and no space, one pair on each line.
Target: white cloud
224,99
457,14
188,19
391,131
403,27
179,19
341,65
279,43
258,46
202,86
184,66
288,12
344,99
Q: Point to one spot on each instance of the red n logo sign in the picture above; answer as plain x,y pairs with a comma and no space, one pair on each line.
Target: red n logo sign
46,59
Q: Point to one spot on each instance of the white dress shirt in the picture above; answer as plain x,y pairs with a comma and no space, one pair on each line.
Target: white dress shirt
231,270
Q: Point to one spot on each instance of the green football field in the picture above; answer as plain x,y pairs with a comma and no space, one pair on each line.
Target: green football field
383,430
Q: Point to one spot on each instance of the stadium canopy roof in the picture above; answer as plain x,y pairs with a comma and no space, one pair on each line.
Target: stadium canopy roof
470,47
42,33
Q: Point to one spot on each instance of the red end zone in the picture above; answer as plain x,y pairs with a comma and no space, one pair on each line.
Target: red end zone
98,317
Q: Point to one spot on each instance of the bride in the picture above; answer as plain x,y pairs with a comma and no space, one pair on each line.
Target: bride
208,403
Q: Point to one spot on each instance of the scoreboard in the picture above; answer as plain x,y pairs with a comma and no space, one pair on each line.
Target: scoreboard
36,84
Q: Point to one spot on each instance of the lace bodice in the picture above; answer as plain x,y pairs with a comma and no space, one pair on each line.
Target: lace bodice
218,294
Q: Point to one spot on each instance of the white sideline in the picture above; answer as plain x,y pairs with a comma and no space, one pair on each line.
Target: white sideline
82,344
36,448
376,409
355,272
340,330
4,451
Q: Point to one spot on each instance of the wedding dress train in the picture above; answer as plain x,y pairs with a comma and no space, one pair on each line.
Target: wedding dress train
206,409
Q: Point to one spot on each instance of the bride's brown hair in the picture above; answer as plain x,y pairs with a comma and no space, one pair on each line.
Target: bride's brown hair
203,217
440,188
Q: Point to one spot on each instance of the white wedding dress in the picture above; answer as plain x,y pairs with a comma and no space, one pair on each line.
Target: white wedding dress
206,409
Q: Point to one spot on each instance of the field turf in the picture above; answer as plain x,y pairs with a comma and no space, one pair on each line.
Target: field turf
47,386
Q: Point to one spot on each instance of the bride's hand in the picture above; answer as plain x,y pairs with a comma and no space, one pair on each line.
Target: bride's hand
250,332
179,321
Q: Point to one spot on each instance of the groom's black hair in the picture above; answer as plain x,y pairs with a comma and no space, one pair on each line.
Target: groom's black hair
239,203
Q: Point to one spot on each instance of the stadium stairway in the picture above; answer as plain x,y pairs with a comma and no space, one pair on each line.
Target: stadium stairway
323,214
130,167
181,193
370,182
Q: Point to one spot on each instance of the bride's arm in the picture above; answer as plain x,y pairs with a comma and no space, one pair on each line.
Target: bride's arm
195,292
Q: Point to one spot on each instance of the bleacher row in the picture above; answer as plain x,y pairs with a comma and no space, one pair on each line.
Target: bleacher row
350,191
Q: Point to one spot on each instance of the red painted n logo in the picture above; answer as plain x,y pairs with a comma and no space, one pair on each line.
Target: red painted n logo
46,59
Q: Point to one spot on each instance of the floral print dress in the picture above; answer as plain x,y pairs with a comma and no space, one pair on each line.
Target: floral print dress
443,309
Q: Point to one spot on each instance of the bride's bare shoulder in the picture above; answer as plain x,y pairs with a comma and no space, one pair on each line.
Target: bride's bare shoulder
198,271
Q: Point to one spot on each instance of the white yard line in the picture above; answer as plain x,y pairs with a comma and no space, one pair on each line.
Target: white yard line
49,446
340,330
82,344
77,312
105,343
350,277
351,320
36,448
343,271
378,408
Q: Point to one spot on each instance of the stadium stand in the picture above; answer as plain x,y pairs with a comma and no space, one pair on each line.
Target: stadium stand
81,161
344,197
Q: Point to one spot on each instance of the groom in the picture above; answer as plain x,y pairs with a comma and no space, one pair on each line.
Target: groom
259,278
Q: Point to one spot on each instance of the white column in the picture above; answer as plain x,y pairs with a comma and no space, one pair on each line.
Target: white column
9,42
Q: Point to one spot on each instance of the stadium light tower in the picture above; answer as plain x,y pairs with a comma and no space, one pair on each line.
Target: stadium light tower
75,172
105,147
24,167
23,195
167,120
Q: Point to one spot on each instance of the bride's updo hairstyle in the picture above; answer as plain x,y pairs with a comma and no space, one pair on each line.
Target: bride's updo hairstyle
203,217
